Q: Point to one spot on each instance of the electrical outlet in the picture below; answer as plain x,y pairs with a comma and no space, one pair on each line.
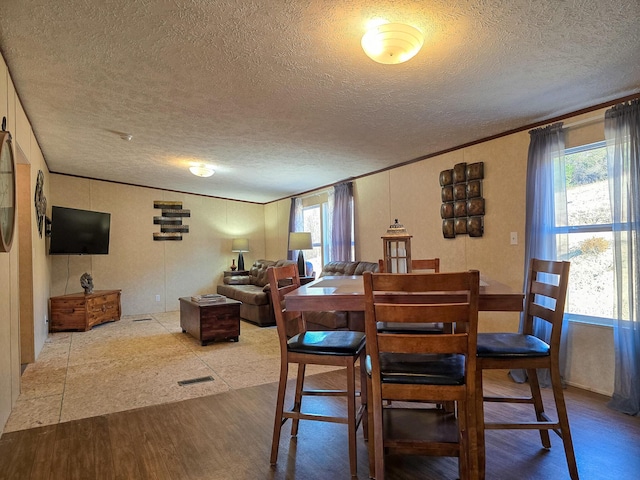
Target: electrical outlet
157,298
514,238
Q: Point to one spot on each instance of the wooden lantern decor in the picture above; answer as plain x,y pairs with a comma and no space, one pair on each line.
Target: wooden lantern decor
396,246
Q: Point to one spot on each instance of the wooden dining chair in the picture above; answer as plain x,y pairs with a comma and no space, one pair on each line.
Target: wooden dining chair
425,264
545,298
417,264
422,367
337,348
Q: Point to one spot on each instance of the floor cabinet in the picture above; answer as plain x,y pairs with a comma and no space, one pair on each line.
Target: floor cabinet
79,311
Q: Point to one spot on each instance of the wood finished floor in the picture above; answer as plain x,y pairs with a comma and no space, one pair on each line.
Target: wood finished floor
228,436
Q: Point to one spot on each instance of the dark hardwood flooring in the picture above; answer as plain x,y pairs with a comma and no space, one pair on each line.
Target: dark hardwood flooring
228,437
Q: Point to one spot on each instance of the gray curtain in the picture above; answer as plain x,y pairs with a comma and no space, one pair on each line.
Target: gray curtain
296,224
341,222
546,210
622,132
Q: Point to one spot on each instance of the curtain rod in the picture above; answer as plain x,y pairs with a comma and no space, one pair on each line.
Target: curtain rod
584,121
317,194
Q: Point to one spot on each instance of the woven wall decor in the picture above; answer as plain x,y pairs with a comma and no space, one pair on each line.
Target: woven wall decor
171,227
462,209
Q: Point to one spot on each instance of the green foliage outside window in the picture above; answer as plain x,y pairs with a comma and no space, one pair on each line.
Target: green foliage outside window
586,167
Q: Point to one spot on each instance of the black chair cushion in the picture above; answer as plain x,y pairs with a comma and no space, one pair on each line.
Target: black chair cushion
420,369
511,345
327,343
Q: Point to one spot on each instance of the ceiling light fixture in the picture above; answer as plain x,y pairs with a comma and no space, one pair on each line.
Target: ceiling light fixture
202,170
392,43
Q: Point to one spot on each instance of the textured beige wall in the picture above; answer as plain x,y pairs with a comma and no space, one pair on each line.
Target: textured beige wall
277,229
25,202
40,261
143,268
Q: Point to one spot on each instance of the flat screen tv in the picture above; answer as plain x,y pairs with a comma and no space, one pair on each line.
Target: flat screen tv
79,232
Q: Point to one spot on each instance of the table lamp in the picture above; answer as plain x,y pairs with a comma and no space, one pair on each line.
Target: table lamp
240,245
300,241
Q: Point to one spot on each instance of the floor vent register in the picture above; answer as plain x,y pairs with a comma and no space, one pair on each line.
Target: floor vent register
195,380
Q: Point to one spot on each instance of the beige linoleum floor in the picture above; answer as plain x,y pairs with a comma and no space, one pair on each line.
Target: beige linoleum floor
136,362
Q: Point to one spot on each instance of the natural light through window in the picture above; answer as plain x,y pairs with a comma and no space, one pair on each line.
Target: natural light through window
318,219
313,222
591,282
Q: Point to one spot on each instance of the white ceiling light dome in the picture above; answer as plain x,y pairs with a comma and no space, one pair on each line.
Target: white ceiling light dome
392,43
202,170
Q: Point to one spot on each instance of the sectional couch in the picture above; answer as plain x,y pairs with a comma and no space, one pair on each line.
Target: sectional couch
253,291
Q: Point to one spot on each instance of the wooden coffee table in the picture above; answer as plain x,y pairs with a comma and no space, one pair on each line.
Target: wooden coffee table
214,321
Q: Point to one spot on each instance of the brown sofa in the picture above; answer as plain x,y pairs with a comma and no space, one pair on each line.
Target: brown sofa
253,291
335,320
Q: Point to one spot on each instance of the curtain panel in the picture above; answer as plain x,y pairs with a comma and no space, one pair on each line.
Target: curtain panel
546,210
341,222
296,224
622,133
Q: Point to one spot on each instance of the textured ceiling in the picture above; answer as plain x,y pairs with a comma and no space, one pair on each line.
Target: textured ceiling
278,95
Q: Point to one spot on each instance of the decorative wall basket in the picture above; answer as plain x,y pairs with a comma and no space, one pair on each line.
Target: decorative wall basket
171,227
40,202
462,209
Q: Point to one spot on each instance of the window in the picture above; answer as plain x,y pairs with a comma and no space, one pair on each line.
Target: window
586,241
315,218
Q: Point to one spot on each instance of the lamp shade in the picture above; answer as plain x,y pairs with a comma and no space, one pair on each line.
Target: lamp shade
240,245
392,43
300,241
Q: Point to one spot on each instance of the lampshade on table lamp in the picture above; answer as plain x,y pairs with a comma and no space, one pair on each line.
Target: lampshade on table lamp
240,245
300,241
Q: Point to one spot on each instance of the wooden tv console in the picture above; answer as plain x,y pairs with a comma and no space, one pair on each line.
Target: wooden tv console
78,311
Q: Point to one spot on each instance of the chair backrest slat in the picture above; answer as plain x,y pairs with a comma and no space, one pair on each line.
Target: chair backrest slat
421,282
540,311
546,289
421,343
412,313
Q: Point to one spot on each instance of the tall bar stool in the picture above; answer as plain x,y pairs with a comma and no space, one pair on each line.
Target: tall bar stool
338,348
545,299
422,367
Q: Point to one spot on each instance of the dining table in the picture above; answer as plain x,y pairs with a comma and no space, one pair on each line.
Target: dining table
346,293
